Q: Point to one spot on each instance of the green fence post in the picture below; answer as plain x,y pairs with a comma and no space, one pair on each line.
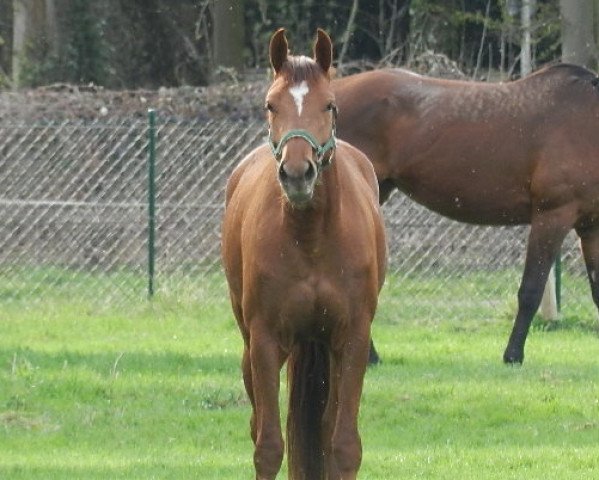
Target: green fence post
151,199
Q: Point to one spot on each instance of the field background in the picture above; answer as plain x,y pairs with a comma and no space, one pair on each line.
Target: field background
153,390
98,382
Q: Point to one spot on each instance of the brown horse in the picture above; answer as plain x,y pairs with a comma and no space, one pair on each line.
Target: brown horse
523,152
304,252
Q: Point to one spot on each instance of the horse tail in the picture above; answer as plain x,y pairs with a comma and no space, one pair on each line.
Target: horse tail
308,383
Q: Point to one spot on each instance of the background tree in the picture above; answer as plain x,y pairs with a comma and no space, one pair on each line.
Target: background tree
34,28
229,28
578,42
150,43
527,14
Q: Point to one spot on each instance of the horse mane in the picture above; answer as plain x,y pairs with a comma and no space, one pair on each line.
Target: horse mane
298,68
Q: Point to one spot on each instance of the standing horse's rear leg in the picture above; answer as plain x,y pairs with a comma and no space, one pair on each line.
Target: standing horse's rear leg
547,233
266,360
589,239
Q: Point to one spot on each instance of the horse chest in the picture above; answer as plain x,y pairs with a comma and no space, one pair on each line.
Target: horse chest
308,288
311,305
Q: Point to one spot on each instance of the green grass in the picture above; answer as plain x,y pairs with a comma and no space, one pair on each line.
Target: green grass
154,391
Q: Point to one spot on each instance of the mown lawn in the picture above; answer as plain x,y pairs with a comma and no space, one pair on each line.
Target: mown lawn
154,391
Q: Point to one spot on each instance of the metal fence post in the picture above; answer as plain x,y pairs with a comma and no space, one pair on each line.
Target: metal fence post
151,199
558,281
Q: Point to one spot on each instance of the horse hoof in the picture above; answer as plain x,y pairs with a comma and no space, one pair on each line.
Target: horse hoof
513,358
373,357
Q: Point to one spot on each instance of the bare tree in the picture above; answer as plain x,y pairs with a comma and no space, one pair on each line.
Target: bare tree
526,14
596,23
348,31
228,34
51,26
34,23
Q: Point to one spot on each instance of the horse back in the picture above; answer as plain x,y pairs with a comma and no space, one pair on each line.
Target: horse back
474,151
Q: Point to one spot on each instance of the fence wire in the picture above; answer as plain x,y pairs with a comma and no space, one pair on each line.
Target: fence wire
73,224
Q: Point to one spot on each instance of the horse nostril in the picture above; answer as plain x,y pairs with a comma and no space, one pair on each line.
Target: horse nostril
310,172
283,175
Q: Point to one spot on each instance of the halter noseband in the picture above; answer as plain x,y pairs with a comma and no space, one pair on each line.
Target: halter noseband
320,150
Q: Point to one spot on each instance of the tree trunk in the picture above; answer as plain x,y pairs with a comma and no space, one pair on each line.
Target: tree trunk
34,26
348,32
596,25
51,27
578,44
228,35
527,12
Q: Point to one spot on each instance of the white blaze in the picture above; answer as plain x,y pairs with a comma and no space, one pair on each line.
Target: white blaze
298,92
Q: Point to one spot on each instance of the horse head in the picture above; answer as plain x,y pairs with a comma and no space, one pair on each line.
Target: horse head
301,116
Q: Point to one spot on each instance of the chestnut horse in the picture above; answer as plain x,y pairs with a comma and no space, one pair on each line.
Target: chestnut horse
523,152
304,253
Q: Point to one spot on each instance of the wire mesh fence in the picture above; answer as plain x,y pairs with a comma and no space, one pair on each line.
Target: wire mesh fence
74,224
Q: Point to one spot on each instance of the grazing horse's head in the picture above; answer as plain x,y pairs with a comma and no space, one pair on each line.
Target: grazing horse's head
301,116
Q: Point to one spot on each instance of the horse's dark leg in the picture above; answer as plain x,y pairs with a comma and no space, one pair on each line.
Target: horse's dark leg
386,188
266,361
589,239
373,356
547,233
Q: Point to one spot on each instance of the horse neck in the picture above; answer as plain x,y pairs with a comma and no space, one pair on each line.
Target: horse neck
308,225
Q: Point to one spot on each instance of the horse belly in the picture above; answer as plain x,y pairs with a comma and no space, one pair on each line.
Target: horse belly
473,194
487,209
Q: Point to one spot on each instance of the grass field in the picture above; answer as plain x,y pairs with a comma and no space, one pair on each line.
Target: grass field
154,391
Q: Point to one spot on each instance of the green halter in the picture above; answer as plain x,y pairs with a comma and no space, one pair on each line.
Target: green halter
320,150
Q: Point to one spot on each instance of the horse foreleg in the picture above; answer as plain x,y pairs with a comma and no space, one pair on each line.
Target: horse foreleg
589,240
346,446
329,418
246,368
266,360
547,233
246,364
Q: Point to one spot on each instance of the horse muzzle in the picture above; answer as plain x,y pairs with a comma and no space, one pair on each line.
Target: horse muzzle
298,180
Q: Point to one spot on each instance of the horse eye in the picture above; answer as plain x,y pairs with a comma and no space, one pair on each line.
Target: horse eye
331,107
269,107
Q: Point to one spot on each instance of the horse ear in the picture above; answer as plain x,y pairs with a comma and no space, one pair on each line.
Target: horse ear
278,50
323,50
